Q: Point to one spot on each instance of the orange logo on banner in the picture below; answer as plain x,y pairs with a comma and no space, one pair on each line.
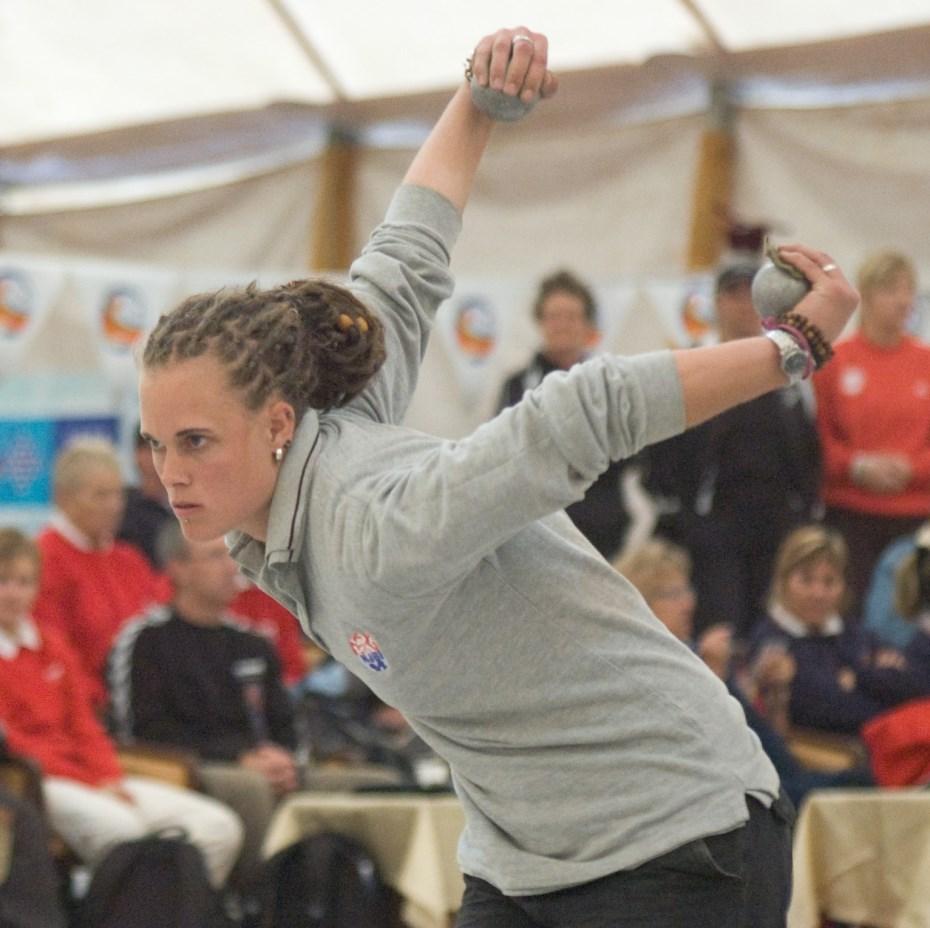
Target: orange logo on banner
475,328
694,318
14,304
123,318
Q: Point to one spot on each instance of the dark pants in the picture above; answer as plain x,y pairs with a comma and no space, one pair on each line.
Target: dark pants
867,537
741,879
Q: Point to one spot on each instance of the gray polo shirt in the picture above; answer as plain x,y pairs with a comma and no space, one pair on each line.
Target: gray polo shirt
582,736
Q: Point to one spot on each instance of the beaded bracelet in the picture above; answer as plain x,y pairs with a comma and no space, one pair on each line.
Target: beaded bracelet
821,349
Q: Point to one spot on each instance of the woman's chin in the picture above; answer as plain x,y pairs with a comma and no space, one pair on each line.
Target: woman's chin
200,530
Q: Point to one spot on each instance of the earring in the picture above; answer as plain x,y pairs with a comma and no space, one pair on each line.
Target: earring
278,455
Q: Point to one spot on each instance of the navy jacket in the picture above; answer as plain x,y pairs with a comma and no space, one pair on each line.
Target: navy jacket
817,699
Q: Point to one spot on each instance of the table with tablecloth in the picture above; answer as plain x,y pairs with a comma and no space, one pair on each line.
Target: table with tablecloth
412,837
863,857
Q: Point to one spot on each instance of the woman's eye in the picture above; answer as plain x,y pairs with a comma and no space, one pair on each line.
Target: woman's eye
196,441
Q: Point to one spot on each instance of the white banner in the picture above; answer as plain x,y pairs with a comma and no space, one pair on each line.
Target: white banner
616,301
120,304
29,287
680,311
469,327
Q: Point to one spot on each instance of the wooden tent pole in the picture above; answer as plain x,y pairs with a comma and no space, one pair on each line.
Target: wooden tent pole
713,186
332,239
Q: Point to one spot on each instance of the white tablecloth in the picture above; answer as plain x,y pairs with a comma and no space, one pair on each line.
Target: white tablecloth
413,839
863,856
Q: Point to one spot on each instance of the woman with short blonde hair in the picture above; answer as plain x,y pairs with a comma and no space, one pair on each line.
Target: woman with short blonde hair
873,418
843,675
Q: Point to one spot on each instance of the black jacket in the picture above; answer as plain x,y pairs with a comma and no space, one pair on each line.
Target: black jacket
601,516
214,690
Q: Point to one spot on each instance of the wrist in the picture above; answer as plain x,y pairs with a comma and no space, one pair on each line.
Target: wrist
794,353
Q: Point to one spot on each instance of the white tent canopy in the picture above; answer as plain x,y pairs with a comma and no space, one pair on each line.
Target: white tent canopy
150,130
71,69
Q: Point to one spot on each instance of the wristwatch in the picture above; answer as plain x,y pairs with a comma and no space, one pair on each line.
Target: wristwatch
796,363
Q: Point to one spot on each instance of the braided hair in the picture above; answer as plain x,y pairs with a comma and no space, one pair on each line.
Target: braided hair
310,342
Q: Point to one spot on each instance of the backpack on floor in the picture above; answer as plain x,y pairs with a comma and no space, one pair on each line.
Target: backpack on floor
30,894
326,880
159,881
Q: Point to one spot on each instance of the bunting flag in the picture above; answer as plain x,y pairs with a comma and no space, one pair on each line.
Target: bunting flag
469,327
120,304
29,287
681,310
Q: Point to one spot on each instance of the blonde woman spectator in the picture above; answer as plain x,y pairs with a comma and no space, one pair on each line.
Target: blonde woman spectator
843,676
661,571
873,416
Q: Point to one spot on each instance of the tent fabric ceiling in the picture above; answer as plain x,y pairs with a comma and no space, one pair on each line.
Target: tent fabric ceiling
73,69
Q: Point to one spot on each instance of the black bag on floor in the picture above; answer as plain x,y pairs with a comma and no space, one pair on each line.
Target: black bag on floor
326,880
159,881
30,895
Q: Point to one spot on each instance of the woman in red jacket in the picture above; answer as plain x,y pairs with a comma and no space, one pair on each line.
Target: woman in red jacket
873,416
91,583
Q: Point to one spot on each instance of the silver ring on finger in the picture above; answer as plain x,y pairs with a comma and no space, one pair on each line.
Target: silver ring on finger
828,267
521,38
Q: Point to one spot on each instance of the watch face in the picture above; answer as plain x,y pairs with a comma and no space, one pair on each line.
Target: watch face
794,363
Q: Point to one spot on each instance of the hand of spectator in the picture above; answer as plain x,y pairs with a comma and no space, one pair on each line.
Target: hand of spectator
774,667
846,679
715,648
276,764
515,67
832,299
881,473
889,659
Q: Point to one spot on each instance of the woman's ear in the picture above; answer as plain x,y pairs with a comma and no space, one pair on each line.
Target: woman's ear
282,423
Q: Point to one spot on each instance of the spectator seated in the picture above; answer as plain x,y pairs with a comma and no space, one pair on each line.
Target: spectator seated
844,676
224,699
48,717
661,571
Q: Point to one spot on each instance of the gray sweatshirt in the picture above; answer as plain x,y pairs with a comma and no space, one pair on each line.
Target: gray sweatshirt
582,736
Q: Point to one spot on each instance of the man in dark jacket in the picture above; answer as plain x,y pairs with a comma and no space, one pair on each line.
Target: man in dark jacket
189,675
735,486
566,314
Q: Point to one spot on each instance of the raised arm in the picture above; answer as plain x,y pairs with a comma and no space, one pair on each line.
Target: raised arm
449,158
458,501
404,270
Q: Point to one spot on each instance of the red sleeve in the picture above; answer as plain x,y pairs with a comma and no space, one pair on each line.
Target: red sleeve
151,586
55,587
91,744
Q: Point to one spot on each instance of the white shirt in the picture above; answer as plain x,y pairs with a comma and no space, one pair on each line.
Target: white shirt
25,636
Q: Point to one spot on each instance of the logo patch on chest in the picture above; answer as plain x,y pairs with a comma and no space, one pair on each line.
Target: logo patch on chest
852,381
368,651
